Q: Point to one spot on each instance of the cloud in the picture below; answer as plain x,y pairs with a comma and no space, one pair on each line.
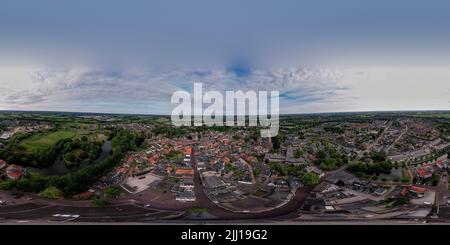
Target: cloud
149,91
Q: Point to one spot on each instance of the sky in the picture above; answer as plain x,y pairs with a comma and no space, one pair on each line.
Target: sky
131,56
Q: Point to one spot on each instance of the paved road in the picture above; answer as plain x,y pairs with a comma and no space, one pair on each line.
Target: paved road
58,213
442,191
397,139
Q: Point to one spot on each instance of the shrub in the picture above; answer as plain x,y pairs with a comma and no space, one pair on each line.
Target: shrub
52,193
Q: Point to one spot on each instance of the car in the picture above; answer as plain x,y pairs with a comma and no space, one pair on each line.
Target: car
147,205
2,202
427,203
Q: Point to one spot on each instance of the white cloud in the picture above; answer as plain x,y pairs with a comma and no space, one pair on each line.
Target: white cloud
301,90
147,91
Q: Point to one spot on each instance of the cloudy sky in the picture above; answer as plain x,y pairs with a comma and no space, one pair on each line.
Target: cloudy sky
130,56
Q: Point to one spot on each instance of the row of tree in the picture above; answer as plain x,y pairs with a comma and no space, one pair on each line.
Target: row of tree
375,168
295,171
329,158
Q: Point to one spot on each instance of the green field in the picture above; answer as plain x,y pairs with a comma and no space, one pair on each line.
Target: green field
435,115
43,141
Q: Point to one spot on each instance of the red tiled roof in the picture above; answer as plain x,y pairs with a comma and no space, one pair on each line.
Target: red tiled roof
152,160
441,161
187,150
418,189
403,192
312,157
14,171
421,172
182,171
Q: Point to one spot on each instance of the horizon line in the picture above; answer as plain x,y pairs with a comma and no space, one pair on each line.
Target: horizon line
281,114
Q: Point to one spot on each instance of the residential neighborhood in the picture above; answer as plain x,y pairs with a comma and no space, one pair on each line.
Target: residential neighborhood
390,166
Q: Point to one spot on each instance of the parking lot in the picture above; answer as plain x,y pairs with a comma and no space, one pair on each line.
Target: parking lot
140,183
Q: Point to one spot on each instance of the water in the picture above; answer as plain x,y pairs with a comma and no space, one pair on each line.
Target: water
59,168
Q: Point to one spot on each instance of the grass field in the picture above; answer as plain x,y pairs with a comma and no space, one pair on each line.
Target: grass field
436,115
42,141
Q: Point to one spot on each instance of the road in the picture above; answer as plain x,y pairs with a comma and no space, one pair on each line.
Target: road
441,189
204,202
379,138
397,139
59,213
31,208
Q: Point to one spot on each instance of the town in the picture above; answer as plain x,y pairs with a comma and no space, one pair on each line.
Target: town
362,166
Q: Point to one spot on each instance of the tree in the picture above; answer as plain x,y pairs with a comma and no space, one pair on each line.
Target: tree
298,153
371,168
78,181
276,143
100,202
52,193
256,172
139,140
112,192
309,179
379,156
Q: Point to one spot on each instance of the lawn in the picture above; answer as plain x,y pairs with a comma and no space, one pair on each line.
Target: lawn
42,141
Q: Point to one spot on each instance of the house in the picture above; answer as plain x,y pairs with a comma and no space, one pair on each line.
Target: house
2,164
417,189
312,157
419,154
424,173
185,196
380,191
218,166
247,180
442,147
274,157
169,169
184,171
15,172
325,187
398,158
187,182
316,170
152,160
280,183
442,162
187,150
403,192
213,182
